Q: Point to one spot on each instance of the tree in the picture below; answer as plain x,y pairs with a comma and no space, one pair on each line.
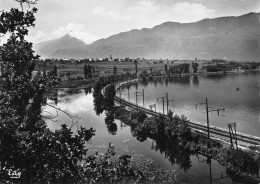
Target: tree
51,73
135,68
27,144
195,67
144,75
165,68
68,75
86,71
151,70
110,93
21,98
180,69
55,71
89,72
94,72
44,74
115,70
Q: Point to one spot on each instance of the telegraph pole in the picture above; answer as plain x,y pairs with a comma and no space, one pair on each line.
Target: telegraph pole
207,113
233,134
162,101
167,102
138,93
209,162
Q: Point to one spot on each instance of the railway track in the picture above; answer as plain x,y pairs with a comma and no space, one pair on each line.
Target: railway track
216,131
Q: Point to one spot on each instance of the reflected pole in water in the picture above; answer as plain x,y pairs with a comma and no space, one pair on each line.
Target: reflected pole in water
210,172
209,161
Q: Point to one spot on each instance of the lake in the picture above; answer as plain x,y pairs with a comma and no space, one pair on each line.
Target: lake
238,94
191,168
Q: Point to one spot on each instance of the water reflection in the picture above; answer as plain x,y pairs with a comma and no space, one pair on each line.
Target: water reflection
136,86
166,82
110,122
184,80
195,80
176,155
172,149
217,77
98,102
106,103
145,82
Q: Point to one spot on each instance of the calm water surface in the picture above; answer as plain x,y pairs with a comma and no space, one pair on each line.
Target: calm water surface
193,169
238,94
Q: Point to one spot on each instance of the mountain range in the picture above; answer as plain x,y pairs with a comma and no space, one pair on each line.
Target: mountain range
231,38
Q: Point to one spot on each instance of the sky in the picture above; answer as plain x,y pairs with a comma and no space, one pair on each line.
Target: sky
90,20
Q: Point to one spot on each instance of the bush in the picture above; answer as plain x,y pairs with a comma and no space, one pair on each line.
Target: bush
140,116
79,78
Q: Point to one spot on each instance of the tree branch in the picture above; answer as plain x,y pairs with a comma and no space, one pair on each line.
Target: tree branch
69,115
28,2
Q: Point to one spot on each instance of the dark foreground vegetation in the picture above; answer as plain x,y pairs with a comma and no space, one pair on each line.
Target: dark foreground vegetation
29,151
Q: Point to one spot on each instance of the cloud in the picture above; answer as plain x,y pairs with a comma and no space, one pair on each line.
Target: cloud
187,12
77,105
98,10
258,6
117,16
39,37
78,31
192,8
4,38
110,13
146,6
148,13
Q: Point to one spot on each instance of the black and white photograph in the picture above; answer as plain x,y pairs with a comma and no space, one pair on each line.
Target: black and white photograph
130,91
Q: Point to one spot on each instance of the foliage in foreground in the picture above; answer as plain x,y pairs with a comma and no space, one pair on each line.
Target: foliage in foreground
27,145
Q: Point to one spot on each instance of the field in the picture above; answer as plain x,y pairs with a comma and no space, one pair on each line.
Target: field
106,68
